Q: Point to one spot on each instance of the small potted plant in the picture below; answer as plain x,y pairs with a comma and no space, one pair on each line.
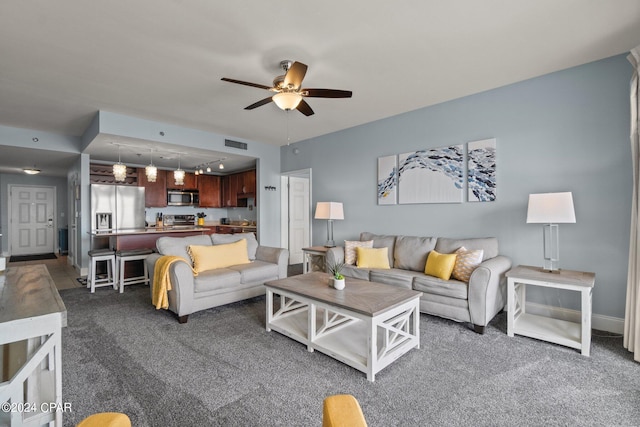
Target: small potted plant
338,279
201,216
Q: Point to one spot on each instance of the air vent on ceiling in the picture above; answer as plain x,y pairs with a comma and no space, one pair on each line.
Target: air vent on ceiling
235,144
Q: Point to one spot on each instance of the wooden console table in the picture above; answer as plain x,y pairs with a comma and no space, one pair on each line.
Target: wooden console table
570,334
31,310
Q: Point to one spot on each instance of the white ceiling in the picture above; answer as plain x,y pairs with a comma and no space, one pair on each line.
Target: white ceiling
62,61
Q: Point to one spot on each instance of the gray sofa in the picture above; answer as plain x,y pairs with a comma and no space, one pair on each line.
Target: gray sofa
212,288
476,302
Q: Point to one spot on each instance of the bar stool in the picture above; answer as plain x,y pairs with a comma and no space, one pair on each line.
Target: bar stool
96,256
122,256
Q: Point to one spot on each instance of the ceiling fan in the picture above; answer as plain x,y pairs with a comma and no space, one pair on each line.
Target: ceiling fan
289,91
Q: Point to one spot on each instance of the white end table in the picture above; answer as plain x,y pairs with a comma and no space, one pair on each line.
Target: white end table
570,334
314,259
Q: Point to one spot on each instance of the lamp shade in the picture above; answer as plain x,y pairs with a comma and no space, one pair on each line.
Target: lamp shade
551,208
287,100
329,210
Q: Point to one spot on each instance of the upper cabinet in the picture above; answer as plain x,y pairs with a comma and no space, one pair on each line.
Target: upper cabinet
190,182
209,187
155,193
247,184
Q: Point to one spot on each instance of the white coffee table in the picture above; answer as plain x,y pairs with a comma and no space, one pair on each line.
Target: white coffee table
367,325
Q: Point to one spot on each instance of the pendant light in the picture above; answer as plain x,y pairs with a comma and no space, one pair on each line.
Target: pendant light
119,169
151,171
178,174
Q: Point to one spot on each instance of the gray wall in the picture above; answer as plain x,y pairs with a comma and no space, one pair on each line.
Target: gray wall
566,131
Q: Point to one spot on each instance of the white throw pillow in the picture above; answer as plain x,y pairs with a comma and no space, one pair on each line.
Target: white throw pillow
350,249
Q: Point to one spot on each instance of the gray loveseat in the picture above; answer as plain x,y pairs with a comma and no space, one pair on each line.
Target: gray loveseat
212,288
476,302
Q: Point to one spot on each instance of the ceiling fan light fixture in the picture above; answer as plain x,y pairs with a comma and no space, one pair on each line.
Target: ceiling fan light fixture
287,100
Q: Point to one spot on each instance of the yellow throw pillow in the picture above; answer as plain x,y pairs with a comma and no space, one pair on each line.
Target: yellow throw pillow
466,262
372,257
350,249
211,257
440,265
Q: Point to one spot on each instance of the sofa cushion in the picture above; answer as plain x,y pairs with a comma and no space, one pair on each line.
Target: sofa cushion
256,271
350,249
488,244
252,243
440,265
372,258
215,280
466,262
381,241
177,246
411,252
355,272
449,288
218,256
394,276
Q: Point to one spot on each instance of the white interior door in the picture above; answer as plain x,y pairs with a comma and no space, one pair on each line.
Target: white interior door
299,218
32,220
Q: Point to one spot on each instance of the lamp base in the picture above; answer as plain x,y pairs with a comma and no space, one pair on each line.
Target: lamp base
330,244
557,271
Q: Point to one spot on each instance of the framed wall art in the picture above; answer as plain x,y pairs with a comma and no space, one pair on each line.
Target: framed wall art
387,180
431,176
481,170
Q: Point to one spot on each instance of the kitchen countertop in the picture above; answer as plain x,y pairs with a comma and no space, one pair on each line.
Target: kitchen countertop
151,230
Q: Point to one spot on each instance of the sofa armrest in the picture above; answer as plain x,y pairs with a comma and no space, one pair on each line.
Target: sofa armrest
278,256
334,255
487,289
182,285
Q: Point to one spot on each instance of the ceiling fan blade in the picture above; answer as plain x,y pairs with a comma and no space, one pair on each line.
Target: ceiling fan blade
259,103
240,82
304,108
327,93
294,76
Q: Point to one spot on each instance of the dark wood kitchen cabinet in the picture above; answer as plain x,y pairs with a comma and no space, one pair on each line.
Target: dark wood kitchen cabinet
230,192
155,193
190,182
247,183
209,187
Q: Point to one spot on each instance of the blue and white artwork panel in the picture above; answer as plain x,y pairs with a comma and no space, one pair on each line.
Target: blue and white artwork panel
481,170
431,176
387,180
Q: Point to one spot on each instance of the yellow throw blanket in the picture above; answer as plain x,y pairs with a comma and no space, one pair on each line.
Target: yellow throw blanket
162,282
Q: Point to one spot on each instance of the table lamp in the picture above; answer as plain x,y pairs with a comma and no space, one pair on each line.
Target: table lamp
329,211
551,209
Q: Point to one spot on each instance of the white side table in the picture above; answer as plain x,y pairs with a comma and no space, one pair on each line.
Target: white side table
314,259
570,334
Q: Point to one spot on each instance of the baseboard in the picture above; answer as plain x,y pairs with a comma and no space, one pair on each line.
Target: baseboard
598,321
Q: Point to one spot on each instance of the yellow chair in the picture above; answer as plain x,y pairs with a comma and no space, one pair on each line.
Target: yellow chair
342,410
106,419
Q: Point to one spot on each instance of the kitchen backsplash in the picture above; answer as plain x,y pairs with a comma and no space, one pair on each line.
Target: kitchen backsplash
213,214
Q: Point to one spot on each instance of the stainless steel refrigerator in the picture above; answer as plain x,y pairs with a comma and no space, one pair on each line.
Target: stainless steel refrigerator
117,207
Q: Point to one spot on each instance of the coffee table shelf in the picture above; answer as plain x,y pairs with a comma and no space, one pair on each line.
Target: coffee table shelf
366,326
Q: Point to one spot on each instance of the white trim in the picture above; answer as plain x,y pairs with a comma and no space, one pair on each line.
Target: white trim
598,321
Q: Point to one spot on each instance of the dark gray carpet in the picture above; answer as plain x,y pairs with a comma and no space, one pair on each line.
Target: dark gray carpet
223,369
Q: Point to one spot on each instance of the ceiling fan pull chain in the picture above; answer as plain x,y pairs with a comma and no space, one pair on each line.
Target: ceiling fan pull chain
288,138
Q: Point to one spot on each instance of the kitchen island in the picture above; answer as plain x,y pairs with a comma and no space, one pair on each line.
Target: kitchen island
143,238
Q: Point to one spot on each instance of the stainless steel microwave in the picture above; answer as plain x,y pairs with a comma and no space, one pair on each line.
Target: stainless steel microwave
183,198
